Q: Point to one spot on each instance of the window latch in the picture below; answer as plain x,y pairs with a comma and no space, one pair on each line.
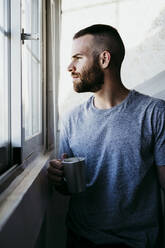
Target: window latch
25,36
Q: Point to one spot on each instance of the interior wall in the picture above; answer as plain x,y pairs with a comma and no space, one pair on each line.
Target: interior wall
142,28
141,25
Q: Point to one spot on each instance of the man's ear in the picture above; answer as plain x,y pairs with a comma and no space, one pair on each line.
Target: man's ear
105,58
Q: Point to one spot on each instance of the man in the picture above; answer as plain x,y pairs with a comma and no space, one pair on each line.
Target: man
121,133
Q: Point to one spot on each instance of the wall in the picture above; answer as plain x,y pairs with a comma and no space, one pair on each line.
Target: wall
142,27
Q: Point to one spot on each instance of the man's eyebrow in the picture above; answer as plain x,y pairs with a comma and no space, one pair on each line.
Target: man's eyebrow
76,55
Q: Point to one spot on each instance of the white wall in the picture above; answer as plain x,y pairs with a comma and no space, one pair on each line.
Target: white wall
142,27
141,24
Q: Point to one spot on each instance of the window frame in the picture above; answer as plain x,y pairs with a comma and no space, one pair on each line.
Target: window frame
21,154
34,144
16,87
21,150
5,150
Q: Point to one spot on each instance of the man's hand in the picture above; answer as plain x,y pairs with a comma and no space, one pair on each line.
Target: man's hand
56,172
56,175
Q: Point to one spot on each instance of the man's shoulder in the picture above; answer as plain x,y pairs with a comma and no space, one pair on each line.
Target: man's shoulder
150,101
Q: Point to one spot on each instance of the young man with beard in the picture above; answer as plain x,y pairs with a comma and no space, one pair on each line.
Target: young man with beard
121,133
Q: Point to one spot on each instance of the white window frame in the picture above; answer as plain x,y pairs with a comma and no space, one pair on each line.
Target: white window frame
34,144
16,89
5,149
21,148
22,152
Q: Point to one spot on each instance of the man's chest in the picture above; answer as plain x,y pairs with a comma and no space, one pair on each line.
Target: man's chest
111,133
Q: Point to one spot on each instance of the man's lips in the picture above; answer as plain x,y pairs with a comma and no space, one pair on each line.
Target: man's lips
75,76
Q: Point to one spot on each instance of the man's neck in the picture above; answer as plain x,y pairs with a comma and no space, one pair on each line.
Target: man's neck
111,94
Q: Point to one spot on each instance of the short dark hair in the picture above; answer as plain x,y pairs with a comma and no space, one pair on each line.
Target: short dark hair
108,38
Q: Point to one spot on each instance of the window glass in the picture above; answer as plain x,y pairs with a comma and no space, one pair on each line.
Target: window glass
4,84
31,69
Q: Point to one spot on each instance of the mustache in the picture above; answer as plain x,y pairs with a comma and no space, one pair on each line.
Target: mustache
75,74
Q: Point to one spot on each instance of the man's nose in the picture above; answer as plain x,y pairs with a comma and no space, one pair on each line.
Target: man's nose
71,67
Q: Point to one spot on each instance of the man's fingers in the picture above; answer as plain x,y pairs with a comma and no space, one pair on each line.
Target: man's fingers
56,180
64,155
55,171
56,163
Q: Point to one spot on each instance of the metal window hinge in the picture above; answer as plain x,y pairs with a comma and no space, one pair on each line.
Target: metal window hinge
25,36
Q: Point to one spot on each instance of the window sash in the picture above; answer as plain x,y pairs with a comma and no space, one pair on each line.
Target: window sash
31,69
4,84
16,96
20,142
15,147
33,135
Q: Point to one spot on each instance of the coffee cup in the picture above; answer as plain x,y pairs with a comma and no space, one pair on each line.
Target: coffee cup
74,174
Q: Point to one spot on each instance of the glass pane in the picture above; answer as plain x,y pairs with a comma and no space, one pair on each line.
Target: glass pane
4,82
31,83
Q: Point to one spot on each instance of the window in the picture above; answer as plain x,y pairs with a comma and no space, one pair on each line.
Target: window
21,81
31,69
4,84
31,76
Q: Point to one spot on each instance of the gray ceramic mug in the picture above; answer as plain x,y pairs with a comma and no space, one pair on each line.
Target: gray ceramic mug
74,173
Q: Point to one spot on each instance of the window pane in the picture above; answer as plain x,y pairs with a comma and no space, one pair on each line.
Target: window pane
4,85
31,83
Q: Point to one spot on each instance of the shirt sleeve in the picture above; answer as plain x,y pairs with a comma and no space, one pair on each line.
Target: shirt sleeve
64,146
159,148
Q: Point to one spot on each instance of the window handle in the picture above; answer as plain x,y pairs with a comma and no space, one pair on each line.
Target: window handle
25,36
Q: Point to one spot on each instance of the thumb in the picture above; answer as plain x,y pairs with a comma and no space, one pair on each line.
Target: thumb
64,155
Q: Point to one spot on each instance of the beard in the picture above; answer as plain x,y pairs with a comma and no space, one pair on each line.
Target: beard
90,80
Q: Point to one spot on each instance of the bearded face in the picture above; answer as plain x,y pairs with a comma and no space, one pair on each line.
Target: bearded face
90,79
